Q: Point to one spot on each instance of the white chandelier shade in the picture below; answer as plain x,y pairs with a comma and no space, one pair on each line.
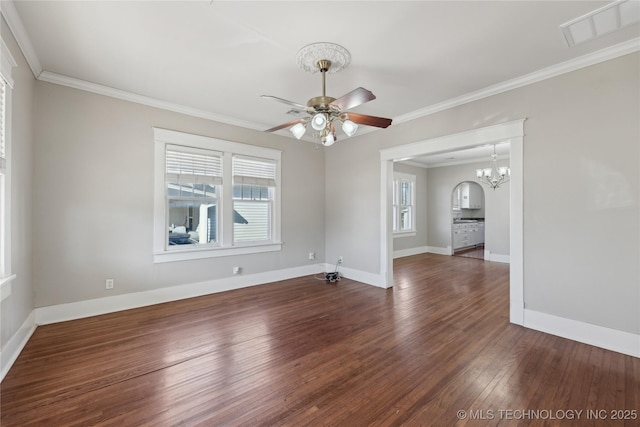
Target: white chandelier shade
495,175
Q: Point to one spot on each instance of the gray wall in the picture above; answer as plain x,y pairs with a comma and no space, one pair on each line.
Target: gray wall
93,173
420,239
581,155
441,182
17,307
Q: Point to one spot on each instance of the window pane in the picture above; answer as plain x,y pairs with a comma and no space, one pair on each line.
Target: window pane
250,192
192,222
405,219
395,218
406,193
251,221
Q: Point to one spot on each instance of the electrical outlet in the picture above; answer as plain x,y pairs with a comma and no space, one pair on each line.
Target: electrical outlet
340,260
109,284
236,270
312,255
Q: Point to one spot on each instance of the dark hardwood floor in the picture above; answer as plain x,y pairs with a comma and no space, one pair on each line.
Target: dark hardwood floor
474,252
304,352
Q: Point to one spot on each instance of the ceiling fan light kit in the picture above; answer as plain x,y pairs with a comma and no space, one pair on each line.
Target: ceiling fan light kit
325,112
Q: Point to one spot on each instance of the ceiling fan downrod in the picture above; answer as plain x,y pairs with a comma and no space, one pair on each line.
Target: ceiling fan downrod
321,103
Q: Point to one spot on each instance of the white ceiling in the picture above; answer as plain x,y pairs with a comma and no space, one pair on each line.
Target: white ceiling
216,58
469,155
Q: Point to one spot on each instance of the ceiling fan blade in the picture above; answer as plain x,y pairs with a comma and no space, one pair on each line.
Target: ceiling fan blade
354,98
284,125
363,119
284,101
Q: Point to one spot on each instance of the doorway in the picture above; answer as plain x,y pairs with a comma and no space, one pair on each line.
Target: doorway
468,205
510,131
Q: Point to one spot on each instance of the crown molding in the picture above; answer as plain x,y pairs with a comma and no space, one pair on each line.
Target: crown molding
14,22
612,52
484,159
59,79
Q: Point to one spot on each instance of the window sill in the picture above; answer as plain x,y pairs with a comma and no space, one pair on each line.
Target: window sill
404,234
5,286
202,253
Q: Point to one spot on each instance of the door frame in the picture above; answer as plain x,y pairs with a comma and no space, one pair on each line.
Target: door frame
512,132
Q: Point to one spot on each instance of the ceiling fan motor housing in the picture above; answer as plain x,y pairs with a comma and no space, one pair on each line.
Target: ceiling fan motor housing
320,103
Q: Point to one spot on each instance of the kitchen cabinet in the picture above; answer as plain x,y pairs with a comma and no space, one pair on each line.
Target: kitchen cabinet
468,234
470,196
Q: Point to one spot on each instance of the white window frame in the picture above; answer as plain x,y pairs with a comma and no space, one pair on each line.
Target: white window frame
398,178
225,246
7,63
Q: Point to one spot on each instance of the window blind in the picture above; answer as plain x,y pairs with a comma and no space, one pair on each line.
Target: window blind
185,164
255,171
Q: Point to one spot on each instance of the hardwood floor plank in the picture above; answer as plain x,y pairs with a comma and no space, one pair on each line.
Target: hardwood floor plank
303,352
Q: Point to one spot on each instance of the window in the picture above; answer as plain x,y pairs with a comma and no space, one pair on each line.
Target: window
192,179
213,197
6,85
253,192
404,215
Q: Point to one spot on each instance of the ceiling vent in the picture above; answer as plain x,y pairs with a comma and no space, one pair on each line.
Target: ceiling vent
601,21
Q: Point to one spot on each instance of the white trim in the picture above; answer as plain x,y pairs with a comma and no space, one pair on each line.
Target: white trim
422,250
47,76
95,307
599,336
7,63
401,253
612,52
440,251
22,37
398,234
471,138
358,275
208,252
488,256
16,344
516,231
510,131
5,286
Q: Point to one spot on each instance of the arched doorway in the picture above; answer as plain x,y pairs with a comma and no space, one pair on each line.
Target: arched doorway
468,220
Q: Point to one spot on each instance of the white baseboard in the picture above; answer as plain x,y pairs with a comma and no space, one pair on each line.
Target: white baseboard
422,250
489,256
359,276
411,251
14,346
599,336
94,307
440,251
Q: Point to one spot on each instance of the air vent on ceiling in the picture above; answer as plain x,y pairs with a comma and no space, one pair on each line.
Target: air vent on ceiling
601,21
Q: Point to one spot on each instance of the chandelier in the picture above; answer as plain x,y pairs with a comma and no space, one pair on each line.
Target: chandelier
494,175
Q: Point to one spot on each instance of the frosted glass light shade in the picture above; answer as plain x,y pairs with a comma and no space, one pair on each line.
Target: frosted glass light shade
349,127
298,130
319,121
328,140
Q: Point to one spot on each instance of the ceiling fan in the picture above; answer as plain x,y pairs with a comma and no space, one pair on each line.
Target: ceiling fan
326,112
